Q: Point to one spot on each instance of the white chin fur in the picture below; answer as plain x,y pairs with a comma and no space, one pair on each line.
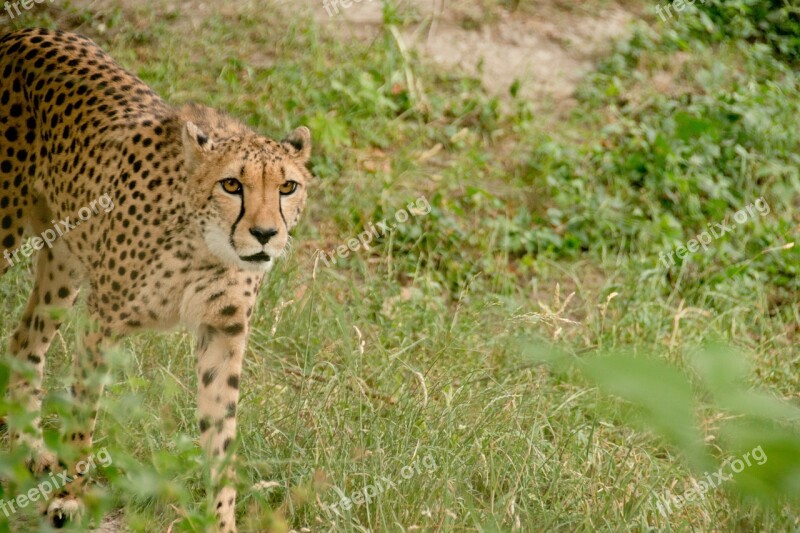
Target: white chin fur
219,245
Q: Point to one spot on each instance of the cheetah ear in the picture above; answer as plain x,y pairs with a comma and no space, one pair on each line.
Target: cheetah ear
195,144
298,144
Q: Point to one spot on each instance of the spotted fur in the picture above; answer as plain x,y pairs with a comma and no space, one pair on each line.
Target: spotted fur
202,207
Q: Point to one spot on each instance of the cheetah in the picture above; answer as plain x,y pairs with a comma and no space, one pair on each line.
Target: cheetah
165,216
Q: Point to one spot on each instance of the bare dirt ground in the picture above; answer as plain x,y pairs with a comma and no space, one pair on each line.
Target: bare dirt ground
545,45
113,523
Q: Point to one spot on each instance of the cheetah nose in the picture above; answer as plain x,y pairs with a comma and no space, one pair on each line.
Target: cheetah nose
263,235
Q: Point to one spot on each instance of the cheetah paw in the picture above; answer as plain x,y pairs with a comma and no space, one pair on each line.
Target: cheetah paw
61,511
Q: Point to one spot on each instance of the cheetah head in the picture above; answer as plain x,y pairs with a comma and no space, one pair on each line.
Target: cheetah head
247,192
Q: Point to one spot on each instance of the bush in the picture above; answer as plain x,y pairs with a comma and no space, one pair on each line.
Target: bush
774,22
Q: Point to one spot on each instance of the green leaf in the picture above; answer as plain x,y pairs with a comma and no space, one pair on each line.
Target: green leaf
660,394
688,127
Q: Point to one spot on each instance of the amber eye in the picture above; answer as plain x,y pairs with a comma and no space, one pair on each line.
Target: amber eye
288,188
231,186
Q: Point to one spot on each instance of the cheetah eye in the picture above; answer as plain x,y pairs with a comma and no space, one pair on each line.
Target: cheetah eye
231,186
288,188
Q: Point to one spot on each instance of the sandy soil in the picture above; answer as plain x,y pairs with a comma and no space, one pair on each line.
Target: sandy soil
113,523
548,47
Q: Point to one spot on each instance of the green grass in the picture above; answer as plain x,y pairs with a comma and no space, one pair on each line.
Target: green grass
478,336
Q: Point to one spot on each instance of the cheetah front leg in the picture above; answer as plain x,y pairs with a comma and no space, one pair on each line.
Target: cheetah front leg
220,351
91,371
54,292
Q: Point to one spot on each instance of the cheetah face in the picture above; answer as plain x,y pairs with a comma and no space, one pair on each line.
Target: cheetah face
248,193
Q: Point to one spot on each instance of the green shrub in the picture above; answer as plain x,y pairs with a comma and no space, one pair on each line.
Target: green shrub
775,22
